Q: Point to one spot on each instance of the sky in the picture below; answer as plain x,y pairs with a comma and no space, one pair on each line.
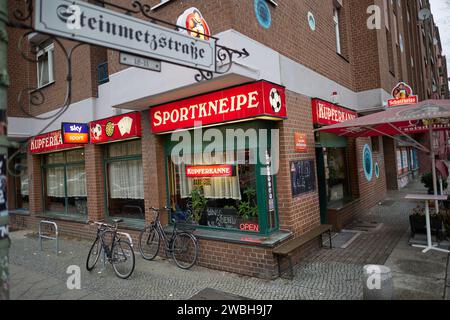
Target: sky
441,14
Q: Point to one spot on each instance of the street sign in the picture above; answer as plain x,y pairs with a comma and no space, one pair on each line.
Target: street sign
140,62
84,22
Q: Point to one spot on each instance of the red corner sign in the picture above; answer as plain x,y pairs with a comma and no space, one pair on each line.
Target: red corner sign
251,101
403,95
49,142
327,113
123,127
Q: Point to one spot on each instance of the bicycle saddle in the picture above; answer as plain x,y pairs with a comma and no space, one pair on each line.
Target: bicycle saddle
118,220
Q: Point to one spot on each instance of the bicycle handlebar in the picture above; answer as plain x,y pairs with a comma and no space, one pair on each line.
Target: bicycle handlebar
101,224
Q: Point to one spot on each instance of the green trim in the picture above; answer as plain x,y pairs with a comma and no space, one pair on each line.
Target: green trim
65,165
261,180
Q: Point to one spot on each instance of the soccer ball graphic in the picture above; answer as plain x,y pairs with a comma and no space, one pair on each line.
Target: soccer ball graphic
275,100
96,132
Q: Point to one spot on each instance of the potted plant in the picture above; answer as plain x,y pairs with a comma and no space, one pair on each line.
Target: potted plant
417,222
427,180
248,209
198,204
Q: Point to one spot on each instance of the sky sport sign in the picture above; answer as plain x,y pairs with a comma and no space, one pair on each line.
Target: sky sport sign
84,22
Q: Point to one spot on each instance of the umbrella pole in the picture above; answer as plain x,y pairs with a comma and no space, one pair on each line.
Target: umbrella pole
433,167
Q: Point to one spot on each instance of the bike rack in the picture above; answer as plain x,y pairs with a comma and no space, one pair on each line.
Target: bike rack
42,236
128,237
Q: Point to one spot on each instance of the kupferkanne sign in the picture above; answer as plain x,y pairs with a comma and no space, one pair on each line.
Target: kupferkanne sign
403,95
77,133
327,113
251,101
123,127
209,171
49,142
84,22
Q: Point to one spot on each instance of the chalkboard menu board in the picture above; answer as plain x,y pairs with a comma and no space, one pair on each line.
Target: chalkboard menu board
303,178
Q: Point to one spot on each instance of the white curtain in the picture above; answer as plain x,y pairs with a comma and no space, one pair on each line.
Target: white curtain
126,180
219,188
55,182
24,184
76,181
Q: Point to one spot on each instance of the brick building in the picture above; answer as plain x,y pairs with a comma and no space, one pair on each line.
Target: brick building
318,55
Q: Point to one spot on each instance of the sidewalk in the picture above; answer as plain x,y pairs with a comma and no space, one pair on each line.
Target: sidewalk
323,274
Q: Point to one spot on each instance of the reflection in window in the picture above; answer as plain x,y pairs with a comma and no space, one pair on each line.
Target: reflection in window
213,200
125,180
21,184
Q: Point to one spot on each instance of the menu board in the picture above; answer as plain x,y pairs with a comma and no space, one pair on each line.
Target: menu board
303,178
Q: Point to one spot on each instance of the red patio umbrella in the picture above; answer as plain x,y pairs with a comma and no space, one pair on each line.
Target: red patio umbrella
425,116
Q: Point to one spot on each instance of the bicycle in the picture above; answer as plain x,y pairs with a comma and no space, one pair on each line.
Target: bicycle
120,253
182,245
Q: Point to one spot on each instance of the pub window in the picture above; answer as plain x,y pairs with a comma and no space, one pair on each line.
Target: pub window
125,180
228,202
337,177
65,183
337,30
45,69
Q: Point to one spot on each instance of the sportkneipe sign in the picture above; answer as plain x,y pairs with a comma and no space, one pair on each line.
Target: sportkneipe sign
252,101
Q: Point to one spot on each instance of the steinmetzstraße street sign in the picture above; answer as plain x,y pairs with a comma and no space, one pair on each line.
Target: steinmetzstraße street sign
84,22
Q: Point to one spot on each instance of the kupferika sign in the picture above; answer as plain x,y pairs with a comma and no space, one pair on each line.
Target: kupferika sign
259,100
403,95
49,142
93,24
123,127
209,171
327,113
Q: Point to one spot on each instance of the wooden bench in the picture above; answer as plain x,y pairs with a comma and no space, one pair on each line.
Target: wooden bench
287,249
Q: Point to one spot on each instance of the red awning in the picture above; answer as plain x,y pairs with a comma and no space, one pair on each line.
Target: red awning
406,120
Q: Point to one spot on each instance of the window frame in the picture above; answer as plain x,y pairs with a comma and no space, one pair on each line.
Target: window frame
261,184
337,30
44,167
107,160
49,49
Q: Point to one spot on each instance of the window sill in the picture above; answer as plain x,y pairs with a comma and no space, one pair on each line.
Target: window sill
19,212
130,224
63,217
44,86
269,241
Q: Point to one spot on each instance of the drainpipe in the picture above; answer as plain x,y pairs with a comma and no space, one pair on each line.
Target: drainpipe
4,83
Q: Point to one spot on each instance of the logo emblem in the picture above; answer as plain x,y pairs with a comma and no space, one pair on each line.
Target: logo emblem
275,100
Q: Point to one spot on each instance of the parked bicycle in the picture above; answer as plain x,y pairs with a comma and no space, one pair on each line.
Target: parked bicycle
182,245
117,251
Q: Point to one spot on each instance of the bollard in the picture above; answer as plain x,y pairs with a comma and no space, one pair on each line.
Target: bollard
378,283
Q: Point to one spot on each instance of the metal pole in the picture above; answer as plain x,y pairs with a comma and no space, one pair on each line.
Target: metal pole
4,83
433,167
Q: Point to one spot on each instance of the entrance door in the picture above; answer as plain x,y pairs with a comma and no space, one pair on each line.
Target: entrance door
322,184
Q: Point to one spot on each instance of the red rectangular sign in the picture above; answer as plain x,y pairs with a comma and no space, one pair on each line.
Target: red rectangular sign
327,113
210,171
49,142
301,142
255,100
402,102
123,127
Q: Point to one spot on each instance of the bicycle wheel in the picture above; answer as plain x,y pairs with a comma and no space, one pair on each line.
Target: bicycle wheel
94,254
149,241
123,259
184,250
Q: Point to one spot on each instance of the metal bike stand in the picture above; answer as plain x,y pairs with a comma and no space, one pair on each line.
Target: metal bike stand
127,235
42,236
